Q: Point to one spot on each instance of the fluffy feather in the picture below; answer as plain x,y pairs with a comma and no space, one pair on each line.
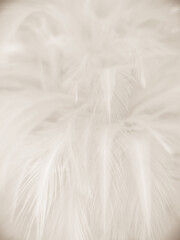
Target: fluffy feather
89,119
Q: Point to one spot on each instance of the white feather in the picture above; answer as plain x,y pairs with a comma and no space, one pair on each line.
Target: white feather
89,119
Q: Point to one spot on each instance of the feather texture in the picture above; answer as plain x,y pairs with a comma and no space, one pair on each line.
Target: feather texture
89,119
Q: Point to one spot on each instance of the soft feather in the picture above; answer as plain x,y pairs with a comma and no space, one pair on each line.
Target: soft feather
89,119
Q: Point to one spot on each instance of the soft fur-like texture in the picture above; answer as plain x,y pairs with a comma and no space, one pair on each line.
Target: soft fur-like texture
89,119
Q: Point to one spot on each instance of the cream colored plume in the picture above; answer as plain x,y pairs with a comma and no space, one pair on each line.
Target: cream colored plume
89,119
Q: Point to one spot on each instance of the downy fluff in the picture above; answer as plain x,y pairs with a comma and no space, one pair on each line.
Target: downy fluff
89,119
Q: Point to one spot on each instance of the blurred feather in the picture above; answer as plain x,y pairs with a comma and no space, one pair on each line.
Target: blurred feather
89,119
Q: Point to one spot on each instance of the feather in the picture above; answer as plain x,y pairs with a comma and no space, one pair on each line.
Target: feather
89,119
139,153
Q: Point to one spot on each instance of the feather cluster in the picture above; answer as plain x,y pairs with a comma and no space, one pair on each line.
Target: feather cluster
89,119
